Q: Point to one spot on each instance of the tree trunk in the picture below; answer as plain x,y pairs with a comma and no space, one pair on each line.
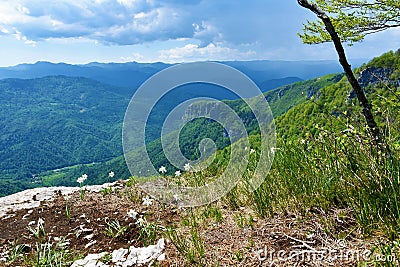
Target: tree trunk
366,106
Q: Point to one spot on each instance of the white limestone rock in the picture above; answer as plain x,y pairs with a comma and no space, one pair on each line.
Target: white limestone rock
31,198
120,257
140,256
91,260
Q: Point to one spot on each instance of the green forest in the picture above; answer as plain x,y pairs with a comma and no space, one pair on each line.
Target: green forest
67,120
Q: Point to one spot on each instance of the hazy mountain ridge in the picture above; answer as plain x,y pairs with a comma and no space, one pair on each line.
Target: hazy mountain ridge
266,74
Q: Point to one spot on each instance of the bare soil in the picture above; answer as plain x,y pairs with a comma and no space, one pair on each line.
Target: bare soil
238,239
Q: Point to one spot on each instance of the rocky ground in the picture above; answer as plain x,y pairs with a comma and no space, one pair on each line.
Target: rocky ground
118,225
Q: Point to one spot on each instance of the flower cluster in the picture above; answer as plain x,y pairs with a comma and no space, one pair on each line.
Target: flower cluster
187,167
132,214
139,219
81,179
162,169
147,201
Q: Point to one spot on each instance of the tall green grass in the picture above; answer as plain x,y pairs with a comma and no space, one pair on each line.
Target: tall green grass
331,170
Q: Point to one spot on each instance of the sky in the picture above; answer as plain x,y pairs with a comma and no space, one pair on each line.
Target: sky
83,31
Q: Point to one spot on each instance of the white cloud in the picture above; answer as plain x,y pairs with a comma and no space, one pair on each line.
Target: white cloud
127,22
207,33
129,3
134,57
194,52
120,22
198,29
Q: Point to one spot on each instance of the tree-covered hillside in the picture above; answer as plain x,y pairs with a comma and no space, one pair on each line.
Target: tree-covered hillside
280,100
300,109
54,122
336,104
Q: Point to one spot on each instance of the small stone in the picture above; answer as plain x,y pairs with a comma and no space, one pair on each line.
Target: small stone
88,237
90,260
119,255
95,257
146,254
161,257
90,244
64,244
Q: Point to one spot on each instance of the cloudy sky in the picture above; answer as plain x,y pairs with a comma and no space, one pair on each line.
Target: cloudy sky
82,31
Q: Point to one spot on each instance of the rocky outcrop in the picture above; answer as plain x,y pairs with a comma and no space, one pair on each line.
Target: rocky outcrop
220,112
210,109
31,198
374,75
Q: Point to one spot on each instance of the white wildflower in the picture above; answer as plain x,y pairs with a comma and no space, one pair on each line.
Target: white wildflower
252,151
187,167
147,201
162,169
273,149
141,221
111,174
82,178
132,214
178,173
176,197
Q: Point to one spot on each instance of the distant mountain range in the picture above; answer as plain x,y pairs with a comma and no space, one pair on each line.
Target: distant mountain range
266,74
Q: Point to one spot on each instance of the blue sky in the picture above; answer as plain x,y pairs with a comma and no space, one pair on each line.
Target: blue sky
82,31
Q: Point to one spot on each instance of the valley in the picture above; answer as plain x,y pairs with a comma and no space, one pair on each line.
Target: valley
330,188
56,121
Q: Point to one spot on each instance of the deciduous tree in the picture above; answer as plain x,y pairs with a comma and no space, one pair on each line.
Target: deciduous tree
350,21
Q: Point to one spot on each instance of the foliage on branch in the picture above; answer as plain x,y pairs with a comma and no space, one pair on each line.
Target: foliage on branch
353,19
